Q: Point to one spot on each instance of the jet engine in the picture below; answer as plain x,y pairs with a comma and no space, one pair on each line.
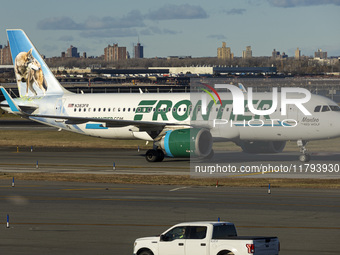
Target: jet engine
187,142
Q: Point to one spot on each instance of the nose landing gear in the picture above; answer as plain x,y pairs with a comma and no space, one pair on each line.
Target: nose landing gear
305,156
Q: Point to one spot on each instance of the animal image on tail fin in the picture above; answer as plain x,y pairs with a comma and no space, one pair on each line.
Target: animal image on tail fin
33,76
28,70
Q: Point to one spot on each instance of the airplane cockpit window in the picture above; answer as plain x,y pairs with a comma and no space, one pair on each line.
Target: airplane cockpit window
335,108
325,108
317,108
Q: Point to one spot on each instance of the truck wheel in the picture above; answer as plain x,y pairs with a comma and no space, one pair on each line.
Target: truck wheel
225,253
145,252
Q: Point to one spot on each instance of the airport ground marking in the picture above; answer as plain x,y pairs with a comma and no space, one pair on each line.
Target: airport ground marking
180,188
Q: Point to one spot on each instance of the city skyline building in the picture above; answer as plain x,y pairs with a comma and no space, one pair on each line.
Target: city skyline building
320,54
138,51
297,54
115,53
224,52
5,55
72,52
248,53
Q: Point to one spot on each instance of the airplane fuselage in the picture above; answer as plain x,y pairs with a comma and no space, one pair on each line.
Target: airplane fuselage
184,110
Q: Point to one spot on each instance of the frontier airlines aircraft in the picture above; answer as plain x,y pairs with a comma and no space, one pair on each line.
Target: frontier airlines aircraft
178,124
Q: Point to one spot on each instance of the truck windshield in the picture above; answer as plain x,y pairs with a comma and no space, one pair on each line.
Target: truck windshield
224,231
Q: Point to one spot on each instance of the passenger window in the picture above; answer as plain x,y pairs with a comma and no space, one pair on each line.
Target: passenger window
128,109
325,108
109,109
118,109
94,109
317,108
99,109
104,109
75,109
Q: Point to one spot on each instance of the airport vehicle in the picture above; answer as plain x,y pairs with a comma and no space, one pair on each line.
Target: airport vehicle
178,124
203,238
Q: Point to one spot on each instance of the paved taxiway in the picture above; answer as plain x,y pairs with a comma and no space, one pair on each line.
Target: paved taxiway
74,218
133,162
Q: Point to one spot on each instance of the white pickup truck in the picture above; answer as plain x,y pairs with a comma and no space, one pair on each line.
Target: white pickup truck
205,238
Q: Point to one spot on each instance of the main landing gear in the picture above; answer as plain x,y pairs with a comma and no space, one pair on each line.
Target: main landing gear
154,155
305,156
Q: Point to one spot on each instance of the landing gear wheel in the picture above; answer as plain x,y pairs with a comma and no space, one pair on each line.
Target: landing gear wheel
160,155
151,156
304,157
154,155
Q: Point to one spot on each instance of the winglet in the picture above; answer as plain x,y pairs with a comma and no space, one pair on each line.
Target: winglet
13,105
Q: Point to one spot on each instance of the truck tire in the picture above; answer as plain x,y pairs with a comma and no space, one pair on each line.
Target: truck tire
145,252
225,253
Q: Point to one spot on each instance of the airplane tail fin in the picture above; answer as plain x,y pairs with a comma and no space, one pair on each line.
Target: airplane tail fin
33,76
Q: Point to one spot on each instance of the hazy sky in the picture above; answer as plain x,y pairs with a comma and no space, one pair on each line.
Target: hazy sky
190,28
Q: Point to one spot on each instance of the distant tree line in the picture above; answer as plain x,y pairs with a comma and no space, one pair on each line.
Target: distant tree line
285,66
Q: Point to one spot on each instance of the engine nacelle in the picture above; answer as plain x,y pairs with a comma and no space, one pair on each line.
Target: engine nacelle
263,146
189,142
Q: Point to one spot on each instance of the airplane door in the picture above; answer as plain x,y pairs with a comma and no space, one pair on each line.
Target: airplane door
59,106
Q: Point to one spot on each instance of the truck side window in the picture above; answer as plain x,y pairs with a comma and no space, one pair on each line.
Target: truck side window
224,231
196,232
175,233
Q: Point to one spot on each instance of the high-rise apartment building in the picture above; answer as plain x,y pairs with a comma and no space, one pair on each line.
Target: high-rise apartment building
297,54
5,55
115,53
72,52
320,54
138,51
224,52
275,54
247,53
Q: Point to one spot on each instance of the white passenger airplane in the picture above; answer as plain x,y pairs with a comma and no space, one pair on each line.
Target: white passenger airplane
178,124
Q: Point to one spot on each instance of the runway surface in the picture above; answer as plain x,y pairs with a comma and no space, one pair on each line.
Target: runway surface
101,161
75,218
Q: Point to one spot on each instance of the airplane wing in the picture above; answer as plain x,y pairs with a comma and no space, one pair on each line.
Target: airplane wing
109,122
